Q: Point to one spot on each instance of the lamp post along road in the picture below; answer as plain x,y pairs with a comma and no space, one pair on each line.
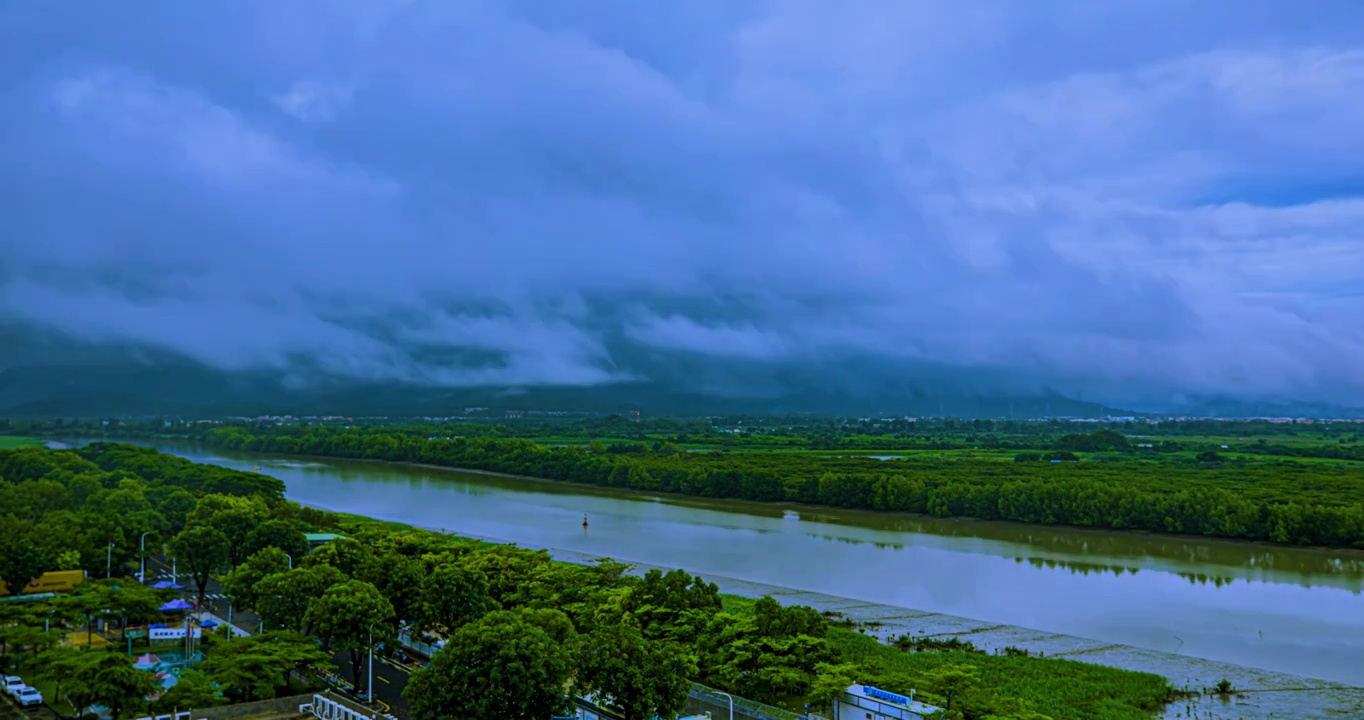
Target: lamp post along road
109,560
731,703
291,560
369,686
142,547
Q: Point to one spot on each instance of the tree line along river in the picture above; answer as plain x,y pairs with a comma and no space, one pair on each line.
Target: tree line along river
1292,610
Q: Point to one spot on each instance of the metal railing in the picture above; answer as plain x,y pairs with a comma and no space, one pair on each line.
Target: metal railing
325,708
718,703
177,716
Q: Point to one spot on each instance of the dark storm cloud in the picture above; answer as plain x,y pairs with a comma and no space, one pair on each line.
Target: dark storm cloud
547,193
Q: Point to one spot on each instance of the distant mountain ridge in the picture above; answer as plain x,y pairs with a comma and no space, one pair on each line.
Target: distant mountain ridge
89,390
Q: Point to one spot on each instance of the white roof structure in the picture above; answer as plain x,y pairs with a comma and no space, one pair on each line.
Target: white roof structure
884,705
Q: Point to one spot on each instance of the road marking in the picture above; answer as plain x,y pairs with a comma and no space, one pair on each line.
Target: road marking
384,679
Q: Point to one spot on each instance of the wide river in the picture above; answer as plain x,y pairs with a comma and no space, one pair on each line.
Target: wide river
1288,609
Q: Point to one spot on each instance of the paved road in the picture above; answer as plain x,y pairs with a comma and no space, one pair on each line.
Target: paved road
389,681
9,710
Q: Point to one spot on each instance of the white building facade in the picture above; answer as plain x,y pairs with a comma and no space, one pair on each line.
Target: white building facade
863,702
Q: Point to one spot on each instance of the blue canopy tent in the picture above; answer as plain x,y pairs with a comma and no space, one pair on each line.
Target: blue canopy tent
176,604
166,584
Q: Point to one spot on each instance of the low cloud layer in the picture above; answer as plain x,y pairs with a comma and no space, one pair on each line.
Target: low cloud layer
1135,199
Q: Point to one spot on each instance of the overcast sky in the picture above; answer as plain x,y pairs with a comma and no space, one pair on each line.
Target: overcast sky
1142,197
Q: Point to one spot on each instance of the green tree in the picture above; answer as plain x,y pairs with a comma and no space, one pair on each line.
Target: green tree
175,505
952,681
236,517
451,596
136,602
193,689
399,577
351,616
831,681
20,560
109,679
205,551
68,560
240,584
283,599
281,534
767,656
23,638
90,598
346,555
255,667
642,678
499,666
58,666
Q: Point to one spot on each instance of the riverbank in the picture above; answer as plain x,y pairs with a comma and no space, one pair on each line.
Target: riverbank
786,505
1260,694
1282,502
1149,593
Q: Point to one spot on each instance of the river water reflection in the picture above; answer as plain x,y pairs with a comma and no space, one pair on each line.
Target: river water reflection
1293,610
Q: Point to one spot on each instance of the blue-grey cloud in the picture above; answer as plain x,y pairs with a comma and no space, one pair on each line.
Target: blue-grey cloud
1128,197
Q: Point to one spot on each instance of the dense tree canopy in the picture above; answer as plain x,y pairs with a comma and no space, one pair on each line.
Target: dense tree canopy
502,665
1292,503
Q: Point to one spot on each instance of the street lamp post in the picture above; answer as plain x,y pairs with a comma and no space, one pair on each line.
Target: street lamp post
109,560
369,686
731,703
291,560
142,548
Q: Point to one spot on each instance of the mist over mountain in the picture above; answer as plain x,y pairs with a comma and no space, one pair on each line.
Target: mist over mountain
893,207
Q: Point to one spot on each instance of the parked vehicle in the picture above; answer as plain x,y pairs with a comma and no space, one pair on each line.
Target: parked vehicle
12,683
28,697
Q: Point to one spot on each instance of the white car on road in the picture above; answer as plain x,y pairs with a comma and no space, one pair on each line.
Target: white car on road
12,683
28,697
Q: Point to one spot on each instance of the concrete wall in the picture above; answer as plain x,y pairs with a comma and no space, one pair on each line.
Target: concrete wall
277,706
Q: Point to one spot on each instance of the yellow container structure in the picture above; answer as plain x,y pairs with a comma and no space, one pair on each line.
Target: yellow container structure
50,582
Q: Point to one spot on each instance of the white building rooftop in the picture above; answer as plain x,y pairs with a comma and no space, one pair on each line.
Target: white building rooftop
887,704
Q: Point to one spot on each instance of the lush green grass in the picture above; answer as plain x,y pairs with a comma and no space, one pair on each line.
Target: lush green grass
1059,689
9,442
50,698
